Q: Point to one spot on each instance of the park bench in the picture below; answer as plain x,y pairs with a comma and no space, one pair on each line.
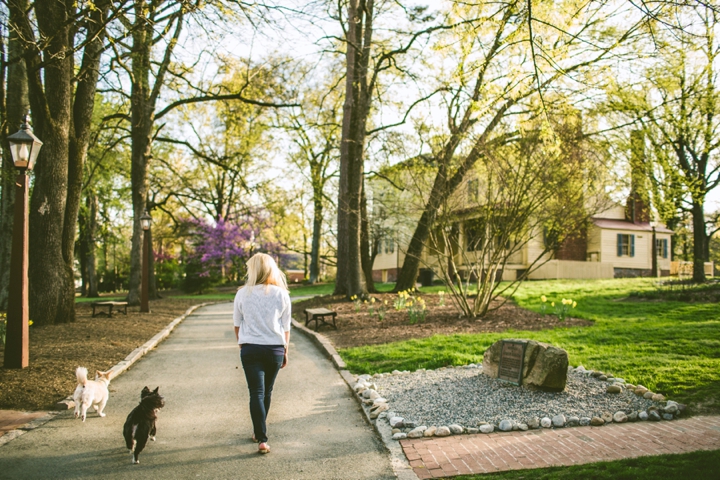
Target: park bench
319,315
109,306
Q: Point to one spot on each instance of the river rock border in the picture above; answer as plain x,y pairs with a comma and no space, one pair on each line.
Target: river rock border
378,408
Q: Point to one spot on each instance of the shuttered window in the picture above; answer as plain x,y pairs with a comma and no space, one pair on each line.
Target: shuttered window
661,247
625,245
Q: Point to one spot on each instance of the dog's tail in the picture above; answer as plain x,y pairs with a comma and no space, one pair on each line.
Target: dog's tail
81,374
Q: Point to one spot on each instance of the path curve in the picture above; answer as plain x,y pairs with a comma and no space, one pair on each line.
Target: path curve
315,426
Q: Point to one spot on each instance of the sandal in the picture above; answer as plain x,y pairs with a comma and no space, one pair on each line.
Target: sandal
263,448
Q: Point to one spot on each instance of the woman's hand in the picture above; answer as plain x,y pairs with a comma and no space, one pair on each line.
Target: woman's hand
285,360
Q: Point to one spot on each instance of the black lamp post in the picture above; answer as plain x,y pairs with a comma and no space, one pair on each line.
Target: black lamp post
145,221
654,264
24,148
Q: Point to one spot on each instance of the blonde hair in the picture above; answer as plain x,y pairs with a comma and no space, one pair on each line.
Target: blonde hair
262,270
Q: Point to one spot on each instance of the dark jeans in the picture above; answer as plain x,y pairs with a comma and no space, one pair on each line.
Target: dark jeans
261,365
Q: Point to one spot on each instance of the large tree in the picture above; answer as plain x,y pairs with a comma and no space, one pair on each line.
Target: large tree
507,61
62,97
314,131
367,57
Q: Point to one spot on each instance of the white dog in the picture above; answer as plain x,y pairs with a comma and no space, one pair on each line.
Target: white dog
91,393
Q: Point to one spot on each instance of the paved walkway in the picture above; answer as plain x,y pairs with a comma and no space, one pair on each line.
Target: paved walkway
486,453
316,428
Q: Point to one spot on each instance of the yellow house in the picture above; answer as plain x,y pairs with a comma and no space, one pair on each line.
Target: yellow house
617,243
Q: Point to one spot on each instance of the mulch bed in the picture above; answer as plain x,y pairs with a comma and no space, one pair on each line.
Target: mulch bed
96,343
358,328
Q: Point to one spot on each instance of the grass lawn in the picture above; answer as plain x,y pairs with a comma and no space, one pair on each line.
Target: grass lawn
670,347
695,465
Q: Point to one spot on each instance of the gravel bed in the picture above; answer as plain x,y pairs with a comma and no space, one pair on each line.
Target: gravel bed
466,397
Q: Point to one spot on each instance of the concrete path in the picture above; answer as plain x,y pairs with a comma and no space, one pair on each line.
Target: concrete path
481,453
316,429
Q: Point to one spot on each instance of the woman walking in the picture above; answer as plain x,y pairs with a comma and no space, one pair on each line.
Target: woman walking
262,328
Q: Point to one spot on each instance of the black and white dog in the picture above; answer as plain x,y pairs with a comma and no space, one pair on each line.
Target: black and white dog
140,423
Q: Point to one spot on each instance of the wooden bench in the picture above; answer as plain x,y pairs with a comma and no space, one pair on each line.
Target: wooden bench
319,315
110,306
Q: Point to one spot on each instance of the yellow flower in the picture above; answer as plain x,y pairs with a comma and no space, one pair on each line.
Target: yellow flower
552,304
372,300
574,304
30,322
364,301
543,298
385,302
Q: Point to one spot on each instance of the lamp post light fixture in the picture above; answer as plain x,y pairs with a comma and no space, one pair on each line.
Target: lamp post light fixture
145,221
654,264
24,148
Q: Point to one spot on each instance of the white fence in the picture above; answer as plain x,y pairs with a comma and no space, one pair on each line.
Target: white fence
685,269
557,269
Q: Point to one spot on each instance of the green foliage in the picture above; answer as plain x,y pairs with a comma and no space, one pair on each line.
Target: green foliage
168,272
671,347
697,465
198,278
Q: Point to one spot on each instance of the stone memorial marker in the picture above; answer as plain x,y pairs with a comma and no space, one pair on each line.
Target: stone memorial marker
510,367
533,364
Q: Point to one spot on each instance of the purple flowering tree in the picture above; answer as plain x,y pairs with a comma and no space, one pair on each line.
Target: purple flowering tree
221,249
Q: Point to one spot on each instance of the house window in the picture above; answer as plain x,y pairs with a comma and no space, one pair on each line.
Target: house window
625,245
661,247
389,244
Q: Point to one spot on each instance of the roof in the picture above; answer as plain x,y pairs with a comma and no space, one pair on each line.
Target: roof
615,224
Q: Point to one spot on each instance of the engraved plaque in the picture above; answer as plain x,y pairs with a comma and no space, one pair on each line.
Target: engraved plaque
512,355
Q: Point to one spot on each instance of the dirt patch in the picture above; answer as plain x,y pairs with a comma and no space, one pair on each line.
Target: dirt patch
96,343
360,324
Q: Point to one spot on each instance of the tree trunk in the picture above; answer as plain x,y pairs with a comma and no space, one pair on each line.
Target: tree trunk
16,104
350,278
152,290
82,249
142,118
365,253
82,111
316,234
143,100
407,277
51,289
92,283
699,240
63,115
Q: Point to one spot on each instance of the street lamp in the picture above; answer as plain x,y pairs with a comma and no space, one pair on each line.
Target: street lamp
145,221
24,148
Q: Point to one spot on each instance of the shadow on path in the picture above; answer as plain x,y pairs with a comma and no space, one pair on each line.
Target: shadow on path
315,427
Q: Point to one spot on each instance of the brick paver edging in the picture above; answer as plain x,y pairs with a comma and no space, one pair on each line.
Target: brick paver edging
116,370
486,453
400,465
